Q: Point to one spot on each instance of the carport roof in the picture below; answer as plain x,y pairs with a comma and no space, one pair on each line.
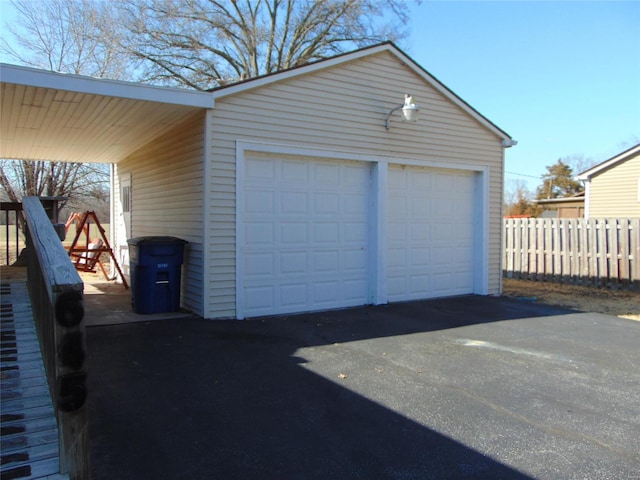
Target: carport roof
53,116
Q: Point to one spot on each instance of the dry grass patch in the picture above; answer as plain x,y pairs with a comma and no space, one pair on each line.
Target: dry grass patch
622,303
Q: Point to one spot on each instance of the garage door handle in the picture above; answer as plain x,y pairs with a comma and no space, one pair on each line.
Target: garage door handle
162,281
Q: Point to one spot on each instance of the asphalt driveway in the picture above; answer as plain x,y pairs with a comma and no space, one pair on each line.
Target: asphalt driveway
469,387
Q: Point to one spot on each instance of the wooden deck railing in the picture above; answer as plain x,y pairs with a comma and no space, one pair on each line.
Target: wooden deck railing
56,292
12,232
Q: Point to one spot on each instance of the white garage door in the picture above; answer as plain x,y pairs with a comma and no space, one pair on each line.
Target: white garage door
305,235
430,233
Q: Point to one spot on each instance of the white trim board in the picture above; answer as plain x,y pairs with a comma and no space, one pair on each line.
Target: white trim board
282,149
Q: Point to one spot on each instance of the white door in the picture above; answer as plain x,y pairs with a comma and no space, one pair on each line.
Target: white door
430,240
304,242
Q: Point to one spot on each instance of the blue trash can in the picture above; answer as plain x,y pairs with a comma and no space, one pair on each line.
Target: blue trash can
155,264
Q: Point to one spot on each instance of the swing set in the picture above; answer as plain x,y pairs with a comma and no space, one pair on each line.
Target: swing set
87,258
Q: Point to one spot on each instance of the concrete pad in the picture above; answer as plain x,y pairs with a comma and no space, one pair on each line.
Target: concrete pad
109,303
468,387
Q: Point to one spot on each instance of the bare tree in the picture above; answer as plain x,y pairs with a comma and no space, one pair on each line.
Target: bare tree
195,43
518,200
207,43
69,36
74,181
578,162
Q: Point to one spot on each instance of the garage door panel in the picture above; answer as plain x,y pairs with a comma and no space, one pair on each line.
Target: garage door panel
443,282
443,259
292,233
320,215
464,235
420,183
355,205
325,203
257,264
259,233
420,283
326,174
325,233
353,291
444,208
397,179
292,263
436,258
294,172
444,234
354,261
325,292
260,297
397,258
421,257
292,295
464,256
442,182
397,231
259,202
420,232
464,281
326,262
293,203
355,232
397,207
260,171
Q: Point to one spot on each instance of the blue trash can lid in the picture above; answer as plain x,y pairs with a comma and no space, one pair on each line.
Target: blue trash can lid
156,241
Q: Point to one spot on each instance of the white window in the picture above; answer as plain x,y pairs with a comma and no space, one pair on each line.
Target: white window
126,198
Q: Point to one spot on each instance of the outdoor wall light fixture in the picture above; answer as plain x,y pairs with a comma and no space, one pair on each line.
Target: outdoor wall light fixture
409,110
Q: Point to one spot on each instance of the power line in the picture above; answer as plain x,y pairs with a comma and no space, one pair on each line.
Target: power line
523,175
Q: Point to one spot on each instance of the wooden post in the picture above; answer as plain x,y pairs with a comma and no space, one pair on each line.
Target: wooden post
634,252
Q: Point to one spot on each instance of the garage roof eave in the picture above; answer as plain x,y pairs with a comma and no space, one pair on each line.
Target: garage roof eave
27,76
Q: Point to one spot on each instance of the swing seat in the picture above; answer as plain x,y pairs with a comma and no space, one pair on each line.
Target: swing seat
87,259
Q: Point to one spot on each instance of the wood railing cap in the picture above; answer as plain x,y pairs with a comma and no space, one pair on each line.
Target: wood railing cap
59,273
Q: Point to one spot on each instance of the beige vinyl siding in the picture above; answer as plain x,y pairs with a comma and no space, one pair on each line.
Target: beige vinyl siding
614,192
167,197
342,108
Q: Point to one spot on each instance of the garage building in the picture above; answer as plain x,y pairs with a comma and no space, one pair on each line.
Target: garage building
292,192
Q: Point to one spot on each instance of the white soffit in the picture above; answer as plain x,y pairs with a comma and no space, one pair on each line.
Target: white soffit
52,116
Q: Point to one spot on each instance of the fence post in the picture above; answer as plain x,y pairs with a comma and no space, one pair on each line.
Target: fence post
634,252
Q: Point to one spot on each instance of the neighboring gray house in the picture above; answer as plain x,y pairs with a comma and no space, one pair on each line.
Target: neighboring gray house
612,188
292,193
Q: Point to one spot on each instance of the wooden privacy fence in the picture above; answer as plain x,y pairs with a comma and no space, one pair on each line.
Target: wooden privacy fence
603,252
